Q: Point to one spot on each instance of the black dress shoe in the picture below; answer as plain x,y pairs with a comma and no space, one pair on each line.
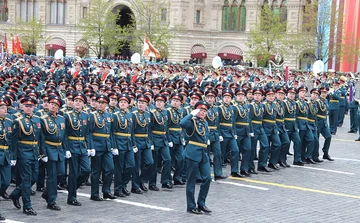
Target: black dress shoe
109,195
59,188
310,161
289,154
5,196
273,166
15,201
2,218
327,157
136,191
143,187
256,158
298,163
204,209
44,196
253,171
244,172
194,211
198,181
40,189
177,182
317,160
352,131
126,192
224,165
264,169
220,177
287,165
74,203
30,211
32,193
282,164
53,207
154,188
96,198
357,139
167,186
333,133
237,175
121,194
87,183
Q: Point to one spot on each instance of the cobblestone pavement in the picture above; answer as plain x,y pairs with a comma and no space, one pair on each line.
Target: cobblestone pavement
326,192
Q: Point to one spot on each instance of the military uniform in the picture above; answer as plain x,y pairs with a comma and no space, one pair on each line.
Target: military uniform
334,110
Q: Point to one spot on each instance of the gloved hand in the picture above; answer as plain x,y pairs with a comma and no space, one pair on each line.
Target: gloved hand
89,152
45,159
252,134
183,142
12,162
135,149
92,152
208,142
171,144
195,112
221,138
235,137
67,154
152,147
115,152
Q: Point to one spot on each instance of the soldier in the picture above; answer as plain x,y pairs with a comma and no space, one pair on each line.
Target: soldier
77,141
7,152
313,123
101,128
334,107
343,102
26,138
196,156
123,152
53,129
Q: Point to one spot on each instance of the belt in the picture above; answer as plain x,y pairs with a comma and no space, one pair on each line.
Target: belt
334,100
213,127
242,123
269,121
76,138
303,118
279,120
141,135
158,132
101,135
175,129
122,134
198,144
225,124
342,97
256,122
28,142
290,119
4,147
321,116
53,143
311,120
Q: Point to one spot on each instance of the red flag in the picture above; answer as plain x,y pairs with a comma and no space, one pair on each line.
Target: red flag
287,74
13,45
20,50
5,44
149,49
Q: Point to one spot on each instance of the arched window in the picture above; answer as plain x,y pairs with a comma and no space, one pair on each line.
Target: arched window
3,11
29,9
309,17
234,17
242,16
275,8
283,13
226,16
58,11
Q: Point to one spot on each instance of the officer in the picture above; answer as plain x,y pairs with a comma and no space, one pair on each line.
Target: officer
7,152
53,129
123,152
101,128
143,141
343,102
334,97
176,139
196,157
161,137
77,140
26,137
313,124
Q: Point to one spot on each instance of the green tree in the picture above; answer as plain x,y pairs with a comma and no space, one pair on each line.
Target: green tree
99,28
268,37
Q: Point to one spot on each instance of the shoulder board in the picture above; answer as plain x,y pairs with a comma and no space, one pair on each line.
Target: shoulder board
18,118
68,112
44,116
265,102
94,112
252,103
35,116
9,119
169,109
134,111
60,116
153,110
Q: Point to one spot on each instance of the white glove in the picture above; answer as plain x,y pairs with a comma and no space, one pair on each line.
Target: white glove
12,162
208,142
195,112
221,138
152,147
45,159
92,152
89,152
115,152
235,136
252,134
171,144
135,149
67,154
183,142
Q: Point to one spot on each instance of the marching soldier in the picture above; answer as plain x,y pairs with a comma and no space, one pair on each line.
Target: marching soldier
343,103
196,156
26,138
77,140
313,124
334,107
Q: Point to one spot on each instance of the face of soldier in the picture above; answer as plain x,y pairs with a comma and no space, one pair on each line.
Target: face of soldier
156,90
101,106
53,108
270,97
291,95
280,96
227,99
3,111
113,102
258,97
69,102
93,103
78,87
175,103
250,96
202,114
141,105
314,96
210,100
160,104
45,104
193,101
28,109
302,94
78,104
123,104
240,98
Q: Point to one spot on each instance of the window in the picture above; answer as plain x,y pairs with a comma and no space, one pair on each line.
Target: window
234,16
29,9
163,15
3,11
197,17
242,16
84,12
283,13
226,16
58,11
309,20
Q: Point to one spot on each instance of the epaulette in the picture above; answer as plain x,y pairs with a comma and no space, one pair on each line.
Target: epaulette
44,116
9,119
18,118
153,110
68,112
35,116
169,109
134,111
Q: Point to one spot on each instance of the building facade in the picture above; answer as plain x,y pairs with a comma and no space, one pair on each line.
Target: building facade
212,27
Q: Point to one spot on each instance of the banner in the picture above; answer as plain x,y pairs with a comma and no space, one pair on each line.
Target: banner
5,44
149,49
20,50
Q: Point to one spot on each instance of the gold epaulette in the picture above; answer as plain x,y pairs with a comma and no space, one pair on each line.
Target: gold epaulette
35,116
44,116
134,111
9,119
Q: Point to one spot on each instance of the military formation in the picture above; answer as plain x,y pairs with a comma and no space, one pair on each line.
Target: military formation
68,123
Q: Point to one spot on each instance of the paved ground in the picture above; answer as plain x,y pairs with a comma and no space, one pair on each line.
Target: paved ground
326,192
